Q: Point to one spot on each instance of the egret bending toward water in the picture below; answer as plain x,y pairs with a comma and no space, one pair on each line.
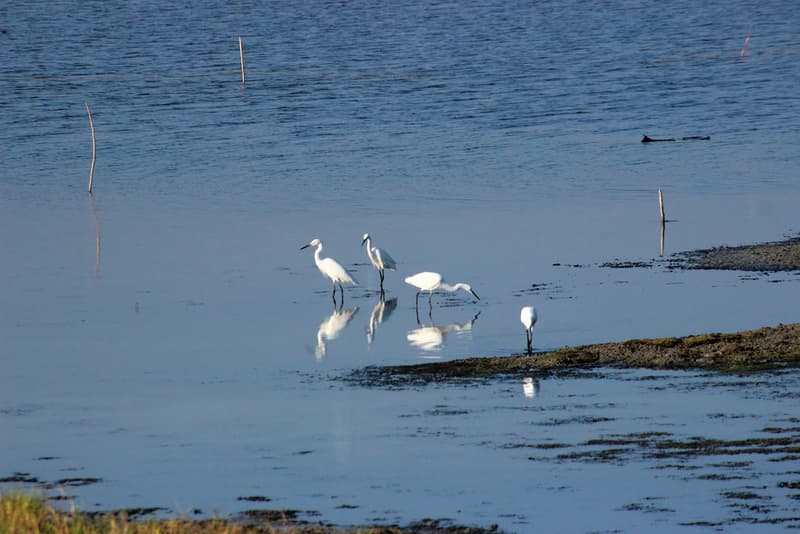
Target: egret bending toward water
527,317
430,282
331,269
379,258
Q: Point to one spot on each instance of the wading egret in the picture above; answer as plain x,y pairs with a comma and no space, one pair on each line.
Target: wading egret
379,258
430,282
528,316
331,269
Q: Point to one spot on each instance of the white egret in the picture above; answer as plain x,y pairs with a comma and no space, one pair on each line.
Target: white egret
379,258
527,317
430,282
331,269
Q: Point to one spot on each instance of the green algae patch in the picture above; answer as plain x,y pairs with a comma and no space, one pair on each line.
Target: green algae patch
764,348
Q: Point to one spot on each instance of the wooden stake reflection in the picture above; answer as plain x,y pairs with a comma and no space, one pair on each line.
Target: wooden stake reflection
96,218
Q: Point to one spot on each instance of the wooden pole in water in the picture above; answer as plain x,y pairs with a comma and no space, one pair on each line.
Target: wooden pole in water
94,148
661,206
241,58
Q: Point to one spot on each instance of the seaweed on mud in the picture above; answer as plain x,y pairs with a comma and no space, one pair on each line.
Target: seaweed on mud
129,513
73,482
20,478
767,348
286,516
254,498
764,257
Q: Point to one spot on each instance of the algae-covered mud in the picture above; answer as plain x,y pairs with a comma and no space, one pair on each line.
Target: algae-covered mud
767,347
766,257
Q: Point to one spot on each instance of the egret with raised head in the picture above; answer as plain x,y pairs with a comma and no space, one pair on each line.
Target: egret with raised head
331,269
430,282
528,316
379,258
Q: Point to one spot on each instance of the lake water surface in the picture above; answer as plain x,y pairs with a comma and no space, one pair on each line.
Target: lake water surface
167,335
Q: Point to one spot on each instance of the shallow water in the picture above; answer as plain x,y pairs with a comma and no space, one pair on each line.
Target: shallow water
166,334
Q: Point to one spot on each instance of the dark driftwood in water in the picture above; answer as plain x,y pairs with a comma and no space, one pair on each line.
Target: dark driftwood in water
646,139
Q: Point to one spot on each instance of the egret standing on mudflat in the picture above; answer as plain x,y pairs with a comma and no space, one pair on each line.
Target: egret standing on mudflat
331,269
430,282
527,317
379,258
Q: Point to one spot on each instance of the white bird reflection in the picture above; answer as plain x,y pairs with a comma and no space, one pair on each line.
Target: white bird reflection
381,312
431,338
331,327
530,387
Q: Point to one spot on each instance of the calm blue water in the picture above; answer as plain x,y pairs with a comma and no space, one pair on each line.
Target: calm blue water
168,336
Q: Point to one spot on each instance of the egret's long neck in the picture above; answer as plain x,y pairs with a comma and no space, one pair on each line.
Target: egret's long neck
447,287
317,252
369,249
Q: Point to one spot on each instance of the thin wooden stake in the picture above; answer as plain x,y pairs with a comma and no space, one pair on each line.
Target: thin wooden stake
241,58
661,206
94,148
746,41
661,245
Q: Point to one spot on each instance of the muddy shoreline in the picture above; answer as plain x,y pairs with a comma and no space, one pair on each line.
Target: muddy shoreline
753,350
764,257
764,348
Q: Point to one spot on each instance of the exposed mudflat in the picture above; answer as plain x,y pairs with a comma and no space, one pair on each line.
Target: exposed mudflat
768,257
764,348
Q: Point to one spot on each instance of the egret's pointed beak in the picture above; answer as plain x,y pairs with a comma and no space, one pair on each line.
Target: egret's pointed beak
476,295
305,246
364,241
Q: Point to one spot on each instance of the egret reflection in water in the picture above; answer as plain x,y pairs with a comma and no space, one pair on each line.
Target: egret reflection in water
331,327
530,387
381,312
431,338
